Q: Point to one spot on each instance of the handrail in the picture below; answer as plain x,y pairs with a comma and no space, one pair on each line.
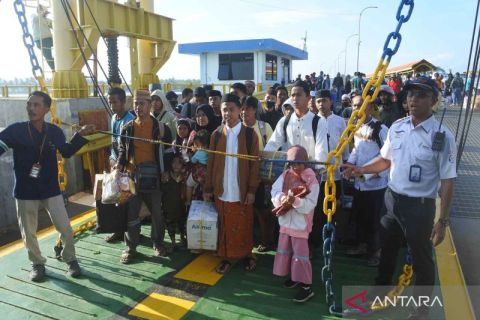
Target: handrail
19,90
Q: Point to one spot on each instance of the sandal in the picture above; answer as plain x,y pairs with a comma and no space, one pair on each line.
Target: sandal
223,267
160,251
117,236
127,256
373,261
250,264
262,248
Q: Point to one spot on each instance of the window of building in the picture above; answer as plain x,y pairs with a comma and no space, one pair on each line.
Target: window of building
286,70
235,66
271,67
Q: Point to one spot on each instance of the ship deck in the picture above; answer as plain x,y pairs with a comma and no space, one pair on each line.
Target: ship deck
185,285
156,287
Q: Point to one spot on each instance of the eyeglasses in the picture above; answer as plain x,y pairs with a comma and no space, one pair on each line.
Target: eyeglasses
419,93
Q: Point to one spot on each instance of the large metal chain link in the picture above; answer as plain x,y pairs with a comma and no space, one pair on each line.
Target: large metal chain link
404,281
76,231
28,41
357,119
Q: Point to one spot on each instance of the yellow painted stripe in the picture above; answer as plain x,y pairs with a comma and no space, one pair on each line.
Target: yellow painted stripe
159,306
78,219
201,270
457,303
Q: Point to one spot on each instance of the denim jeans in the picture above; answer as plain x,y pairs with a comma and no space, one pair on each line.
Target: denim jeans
457,96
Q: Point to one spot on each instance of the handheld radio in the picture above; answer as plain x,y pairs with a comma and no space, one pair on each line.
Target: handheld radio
439,138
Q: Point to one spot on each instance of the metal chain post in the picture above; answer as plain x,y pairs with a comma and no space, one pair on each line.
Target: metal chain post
356,120
404,280
37,71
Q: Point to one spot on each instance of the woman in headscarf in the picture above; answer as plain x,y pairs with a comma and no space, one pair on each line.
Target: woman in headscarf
205,119
163,112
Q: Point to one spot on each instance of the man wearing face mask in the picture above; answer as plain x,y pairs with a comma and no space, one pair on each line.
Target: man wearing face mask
271,114
345,109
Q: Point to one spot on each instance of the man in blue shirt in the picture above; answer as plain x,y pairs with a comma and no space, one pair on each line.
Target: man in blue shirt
34,145
117,100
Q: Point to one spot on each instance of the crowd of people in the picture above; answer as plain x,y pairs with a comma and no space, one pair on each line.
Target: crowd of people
397,168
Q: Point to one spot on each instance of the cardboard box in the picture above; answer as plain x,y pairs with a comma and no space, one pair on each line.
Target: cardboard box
97,187
202,229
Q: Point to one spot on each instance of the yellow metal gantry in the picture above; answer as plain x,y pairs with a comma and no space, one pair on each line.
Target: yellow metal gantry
151,41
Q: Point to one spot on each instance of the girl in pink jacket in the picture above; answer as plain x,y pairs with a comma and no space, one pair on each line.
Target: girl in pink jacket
294,196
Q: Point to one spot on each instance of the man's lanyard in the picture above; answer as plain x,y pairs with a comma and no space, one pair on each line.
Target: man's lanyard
43,141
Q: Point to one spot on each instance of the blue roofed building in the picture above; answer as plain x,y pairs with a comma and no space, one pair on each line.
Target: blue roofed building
265,61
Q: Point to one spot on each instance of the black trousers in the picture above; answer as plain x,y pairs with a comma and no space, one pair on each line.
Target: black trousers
154,204
367,208
409,219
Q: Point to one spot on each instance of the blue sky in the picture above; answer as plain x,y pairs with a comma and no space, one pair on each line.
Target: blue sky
439,31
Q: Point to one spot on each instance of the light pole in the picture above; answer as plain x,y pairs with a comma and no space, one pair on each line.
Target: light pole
338,59
346,44
359,20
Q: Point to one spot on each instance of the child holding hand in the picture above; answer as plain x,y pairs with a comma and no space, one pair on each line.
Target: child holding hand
196,179
294,196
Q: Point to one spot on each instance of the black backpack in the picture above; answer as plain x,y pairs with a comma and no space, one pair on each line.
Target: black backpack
314,126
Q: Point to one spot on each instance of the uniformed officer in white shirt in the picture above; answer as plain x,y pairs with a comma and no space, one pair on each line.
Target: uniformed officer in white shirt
369,189
421,156
299,129
335,127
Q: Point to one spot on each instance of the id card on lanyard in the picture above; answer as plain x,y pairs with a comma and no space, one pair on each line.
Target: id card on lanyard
37,167
415,173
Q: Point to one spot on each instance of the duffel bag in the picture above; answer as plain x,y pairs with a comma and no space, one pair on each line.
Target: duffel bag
111,217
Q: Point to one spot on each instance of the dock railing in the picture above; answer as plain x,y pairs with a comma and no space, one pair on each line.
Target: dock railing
20,90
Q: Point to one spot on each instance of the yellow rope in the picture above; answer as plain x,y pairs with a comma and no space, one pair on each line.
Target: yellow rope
153,141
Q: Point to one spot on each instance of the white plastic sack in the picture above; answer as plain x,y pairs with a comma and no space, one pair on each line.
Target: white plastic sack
110,188
202,230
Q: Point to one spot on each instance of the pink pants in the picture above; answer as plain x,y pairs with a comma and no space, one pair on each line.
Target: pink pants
292,257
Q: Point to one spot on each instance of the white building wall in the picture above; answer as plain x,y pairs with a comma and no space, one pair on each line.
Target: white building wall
259,71
210,73
209,69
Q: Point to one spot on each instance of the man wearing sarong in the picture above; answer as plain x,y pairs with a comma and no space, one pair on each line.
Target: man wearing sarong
232,182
